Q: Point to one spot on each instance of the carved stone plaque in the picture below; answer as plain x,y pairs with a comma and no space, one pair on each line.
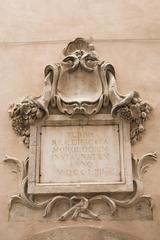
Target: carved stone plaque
80,155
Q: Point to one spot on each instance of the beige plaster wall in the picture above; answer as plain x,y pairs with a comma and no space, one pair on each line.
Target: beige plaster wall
33,34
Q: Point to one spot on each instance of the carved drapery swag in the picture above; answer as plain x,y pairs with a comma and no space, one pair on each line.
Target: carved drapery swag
80,84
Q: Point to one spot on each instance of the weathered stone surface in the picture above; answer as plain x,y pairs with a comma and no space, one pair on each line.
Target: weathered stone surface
54,20
83,232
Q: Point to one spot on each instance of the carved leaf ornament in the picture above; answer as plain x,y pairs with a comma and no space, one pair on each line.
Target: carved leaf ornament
80,84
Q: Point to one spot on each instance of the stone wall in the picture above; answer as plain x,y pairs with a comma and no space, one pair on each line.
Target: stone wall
32,35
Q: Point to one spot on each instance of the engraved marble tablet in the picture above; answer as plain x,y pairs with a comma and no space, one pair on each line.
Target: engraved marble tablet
73,154
80,155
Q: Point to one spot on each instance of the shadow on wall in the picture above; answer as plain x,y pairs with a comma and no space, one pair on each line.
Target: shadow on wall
82,232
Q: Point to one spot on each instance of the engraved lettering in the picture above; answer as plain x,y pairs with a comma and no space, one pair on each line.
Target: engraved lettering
82,153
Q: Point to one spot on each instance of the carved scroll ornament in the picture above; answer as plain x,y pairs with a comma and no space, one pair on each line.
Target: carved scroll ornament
79,205
80,84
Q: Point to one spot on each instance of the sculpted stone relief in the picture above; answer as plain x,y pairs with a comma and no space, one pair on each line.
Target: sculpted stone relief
81,85
80,205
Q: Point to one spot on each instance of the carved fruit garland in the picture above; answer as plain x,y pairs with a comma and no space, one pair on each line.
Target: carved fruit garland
23,115
28,111
136,112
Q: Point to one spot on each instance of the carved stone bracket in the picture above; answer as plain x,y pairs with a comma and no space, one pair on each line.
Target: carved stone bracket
79,205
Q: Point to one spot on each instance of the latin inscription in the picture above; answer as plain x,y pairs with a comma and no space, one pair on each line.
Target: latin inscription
73,154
